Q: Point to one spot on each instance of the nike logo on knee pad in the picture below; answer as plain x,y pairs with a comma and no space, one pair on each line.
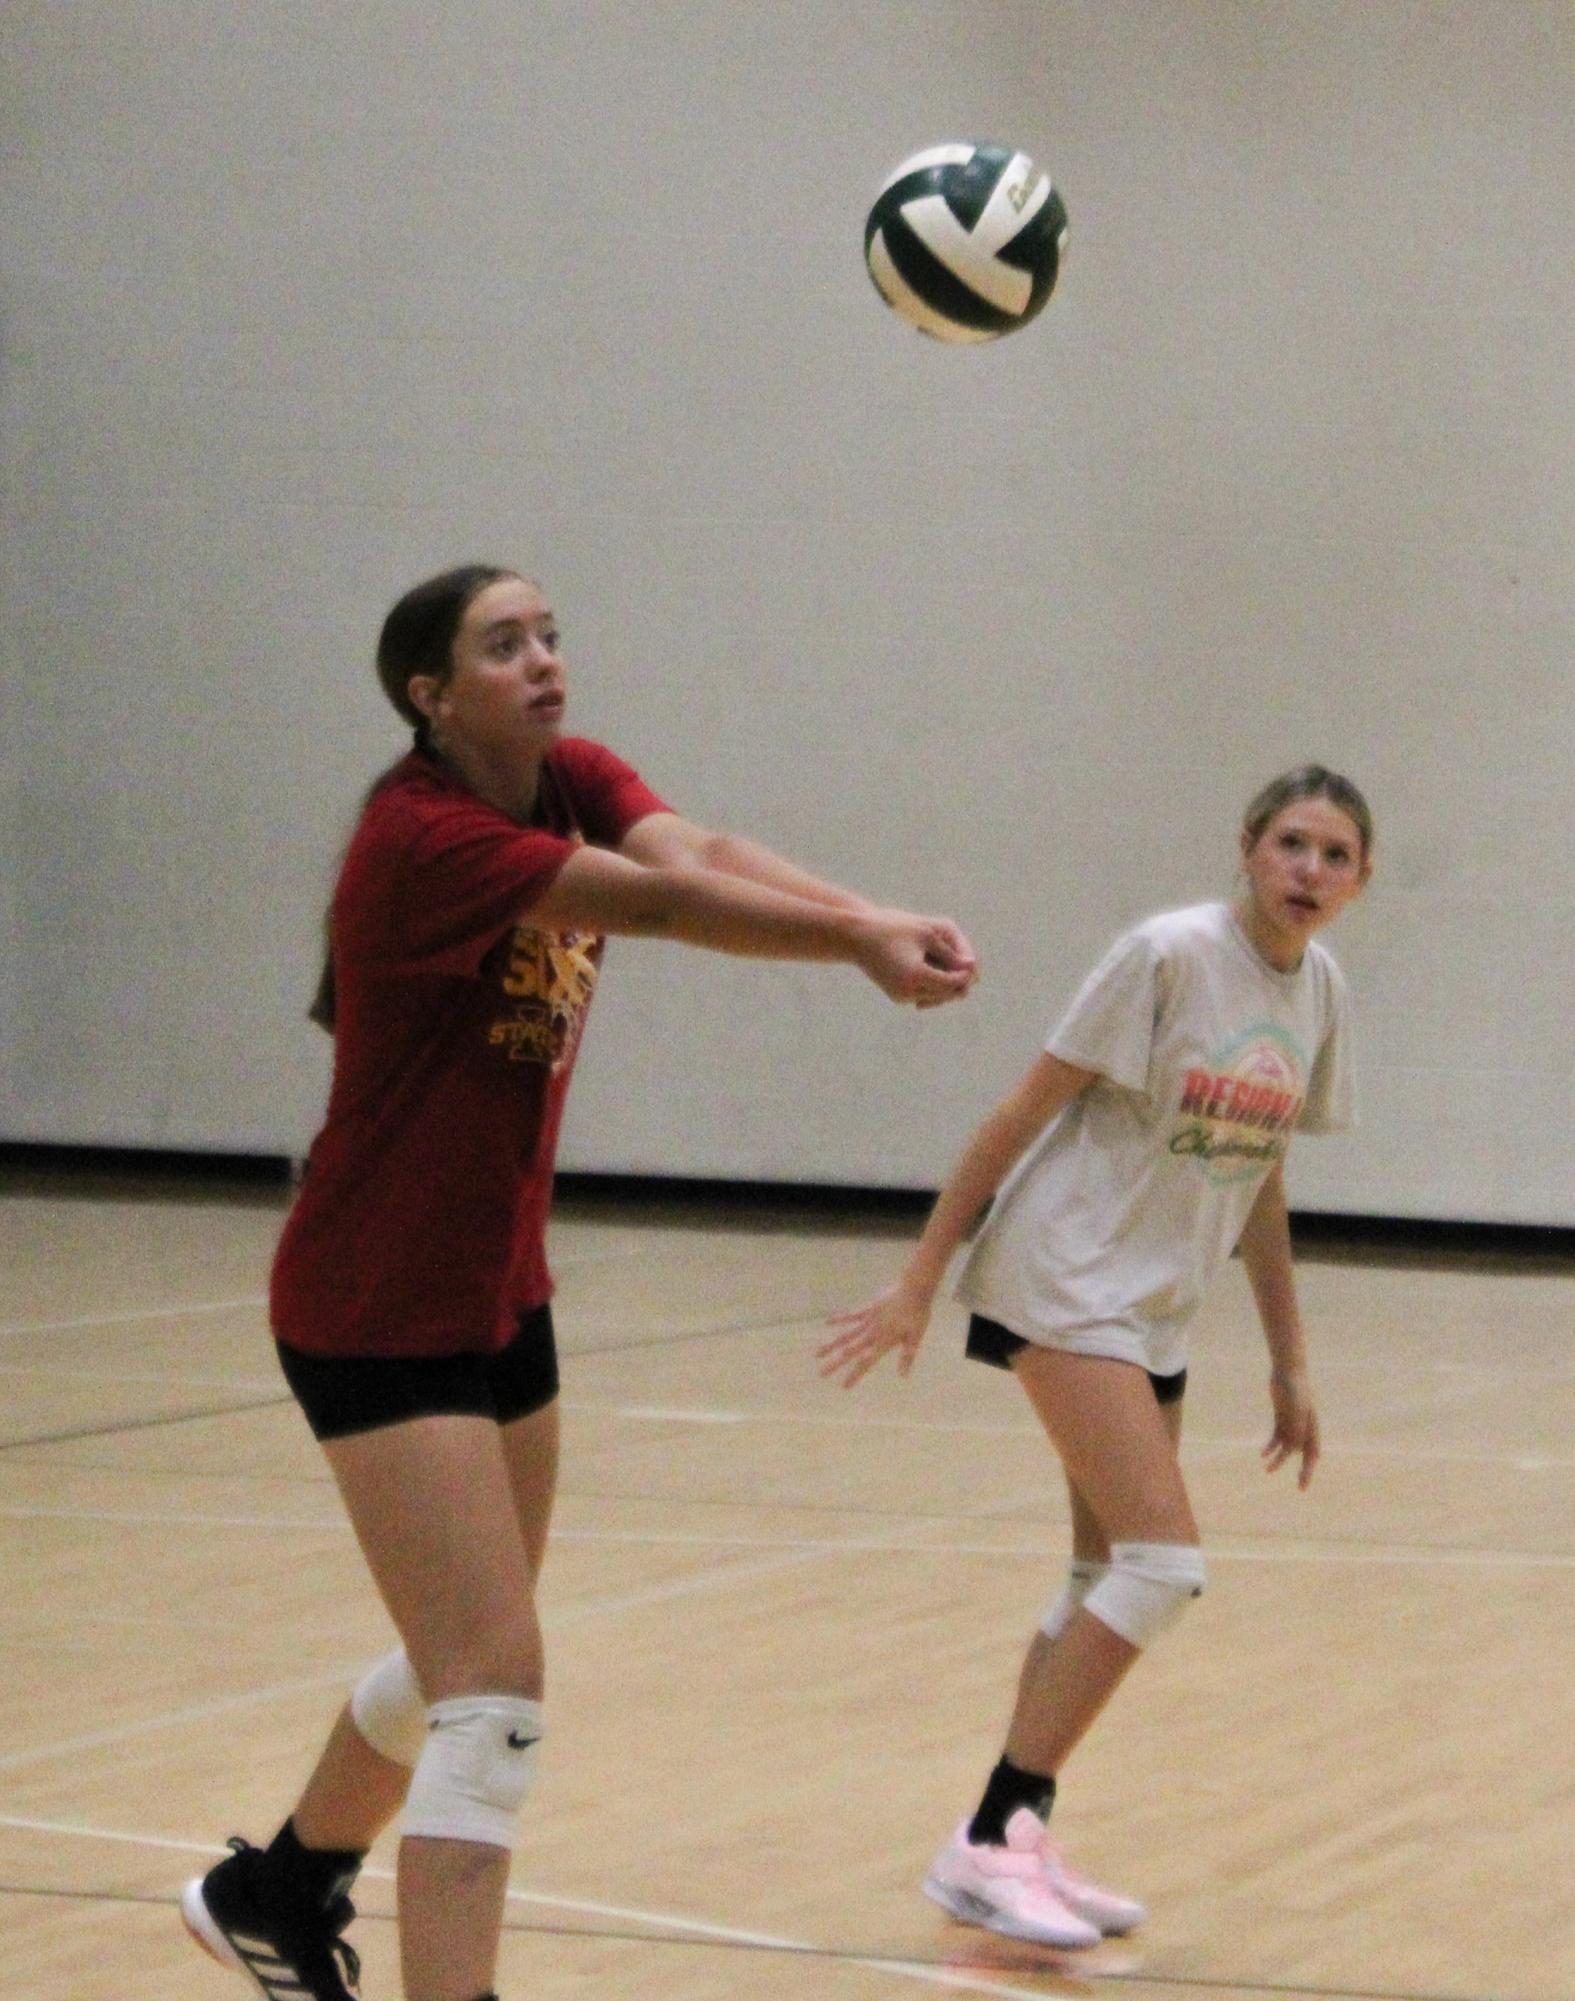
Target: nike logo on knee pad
519,1743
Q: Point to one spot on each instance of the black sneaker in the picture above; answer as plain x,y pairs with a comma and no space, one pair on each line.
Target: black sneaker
289,1954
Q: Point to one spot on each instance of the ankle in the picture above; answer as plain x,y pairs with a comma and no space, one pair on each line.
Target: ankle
296,1874
1009,1788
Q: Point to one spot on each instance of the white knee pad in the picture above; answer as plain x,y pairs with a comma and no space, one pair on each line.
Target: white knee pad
389,1710
1084,1574
475,1769
1146,1588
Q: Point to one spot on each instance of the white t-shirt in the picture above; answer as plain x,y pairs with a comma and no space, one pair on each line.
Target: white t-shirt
1105,1236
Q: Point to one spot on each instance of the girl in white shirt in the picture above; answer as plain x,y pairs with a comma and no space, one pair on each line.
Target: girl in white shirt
1143,1145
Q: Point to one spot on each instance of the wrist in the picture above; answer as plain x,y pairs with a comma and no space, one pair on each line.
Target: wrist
919,1283
861,930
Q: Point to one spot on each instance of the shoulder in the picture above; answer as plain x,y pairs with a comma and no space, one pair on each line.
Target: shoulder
592,781
580,759
418,795
1126,972
1173,935
1166,955
420,812
601,793
1197,923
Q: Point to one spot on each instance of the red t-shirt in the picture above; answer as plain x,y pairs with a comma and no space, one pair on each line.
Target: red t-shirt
420,1226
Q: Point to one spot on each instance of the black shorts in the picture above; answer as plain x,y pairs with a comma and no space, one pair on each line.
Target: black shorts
344,1394
989,1341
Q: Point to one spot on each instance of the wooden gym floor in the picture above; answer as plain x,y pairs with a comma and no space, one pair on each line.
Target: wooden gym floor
784,1623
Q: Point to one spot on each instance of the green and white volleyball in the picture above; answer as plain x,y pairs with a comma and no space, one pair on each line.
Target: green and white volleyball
965,241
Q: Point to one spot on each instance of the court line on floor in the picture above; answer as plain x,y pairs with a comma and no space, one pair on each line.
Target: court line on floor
814,1319
162,1376
1372,1553
573,1494
682,1930
955,1978
1318,1550
128,1318
555,1619
810,1321
159,1421
252,1302
1196,1445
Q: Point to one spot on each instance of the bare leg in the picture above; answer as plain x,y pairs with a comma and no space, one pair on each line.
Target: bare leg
463,1878
530,1451
354,1793
433,1505
450,1917
1118,1446
1088,1537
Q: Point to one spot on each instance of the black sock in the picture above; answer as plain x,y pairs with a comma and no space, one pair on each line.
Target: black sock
1009,1788
313,1876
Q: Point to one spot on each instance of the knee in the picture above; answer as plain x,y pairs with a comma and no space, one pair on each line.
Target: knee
1085,1573
389,1706
1146,1588
389,1710
475,1769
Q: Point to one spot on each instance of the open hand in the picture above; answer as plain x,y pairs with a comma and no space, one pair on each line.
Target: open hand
894,1319
1295,1430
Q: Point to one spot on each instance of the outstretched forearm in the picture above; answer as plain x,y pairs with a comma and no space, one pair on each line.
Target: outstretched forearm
913,959
668,841
595,890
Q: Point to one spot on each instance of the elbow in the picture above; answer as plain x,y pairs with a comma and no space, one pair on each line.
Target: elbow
719,852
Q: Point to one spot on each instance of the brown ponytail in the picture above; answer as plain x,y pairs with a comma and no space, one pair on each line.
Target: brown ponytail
417,638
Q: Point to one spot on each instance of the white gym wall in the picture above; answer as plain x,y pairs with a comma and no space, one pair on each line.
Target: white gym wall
303,302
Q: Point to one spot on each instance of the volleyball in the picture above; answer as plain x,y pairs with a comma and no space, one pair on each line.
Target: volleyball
964,242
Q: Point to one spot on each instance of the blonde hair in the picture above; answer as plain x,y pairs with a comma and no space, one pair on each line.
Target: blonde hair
1308,781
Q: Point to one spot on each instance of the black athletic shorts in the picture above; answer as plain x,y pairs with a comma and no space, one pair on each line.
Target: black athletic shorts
989,1341
344,1394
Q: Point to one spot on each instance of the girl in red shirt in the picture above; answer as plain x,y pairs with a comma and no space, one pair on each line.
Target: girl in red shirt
410,1294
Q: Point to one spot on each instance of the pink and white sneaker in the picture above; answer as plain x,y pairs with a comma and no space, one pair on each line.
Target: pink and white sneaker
1108,1909
1007,1889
